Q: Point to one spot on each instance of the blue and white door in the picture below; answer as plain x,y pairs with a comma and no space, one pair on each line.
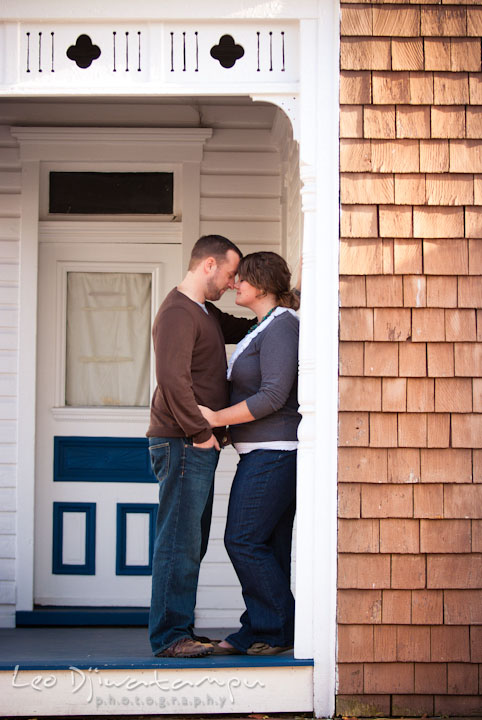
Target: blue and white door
99,288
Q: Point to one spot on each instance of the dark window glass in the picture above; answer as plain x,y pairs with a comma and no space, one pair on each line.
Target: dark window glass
111,193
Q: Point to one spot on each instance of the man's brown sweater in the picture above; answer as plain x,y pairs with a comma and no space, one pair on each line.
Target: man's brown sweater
189,345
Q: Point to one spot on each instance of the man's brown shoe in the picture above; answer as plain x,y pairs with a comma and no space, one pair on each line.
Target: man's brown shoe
203,639
186,647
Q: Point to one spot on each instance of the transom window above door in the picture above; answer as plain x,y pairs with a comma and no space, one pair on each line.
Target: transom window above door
109,190
111,193
108,339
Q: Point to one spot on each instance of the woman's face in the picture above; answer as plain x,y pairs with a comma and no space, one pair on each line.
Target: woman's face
246,294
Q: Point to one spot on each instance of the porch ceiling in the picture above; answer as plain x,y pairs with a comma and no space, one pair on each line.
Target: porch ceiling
186,111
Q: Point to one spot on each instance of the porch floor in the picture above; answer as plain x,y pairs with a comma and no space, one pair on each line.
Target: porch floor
58,648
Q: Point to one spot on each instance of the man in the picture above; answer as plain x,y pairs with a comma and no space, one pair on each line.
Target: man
189,336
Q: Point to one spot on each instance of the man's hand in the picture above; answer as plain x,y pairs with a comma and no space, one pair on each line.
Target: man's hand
209,415
212,442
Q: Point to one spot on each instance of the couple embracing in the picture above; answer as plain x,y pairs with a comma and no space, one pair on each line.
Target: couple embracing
196,397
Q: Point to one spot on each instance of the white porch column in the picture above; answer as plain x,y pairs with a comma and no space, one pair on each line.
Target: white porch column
305,551
317,469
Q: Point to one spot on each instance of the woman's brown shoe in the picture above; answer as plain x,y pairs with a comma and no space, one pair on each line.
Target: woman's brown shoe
260,648
220,650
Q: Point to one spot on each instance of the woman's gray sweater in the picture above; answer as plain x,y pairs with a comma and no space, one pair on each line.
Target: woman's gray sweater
266,376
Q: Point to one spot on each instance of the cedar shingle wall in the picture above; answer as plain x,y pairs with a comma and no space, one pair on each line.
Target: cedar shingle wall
410,423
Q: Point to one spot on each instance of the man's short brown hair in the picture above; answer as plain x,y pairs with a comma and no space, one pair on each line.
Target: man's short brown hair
215,246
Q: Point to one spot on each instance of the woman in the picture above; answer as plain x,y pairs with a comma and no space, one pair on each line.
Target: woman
263,419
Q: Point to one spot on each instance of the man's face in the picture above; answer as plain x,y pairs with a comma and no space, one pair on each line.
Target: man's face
223,276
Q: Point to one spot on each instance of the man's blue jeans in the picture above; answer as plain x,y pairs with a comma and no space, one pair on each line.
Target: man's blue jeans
258,540
186,481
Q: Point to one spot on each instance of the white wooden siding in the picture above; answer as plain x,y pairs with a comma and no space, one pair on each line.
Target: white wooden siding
9,259
240,198
249,235
240,178
235,186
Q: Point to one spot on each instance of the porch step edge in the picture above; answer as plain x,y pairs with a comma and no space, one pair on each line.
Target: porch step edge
81,616
142,663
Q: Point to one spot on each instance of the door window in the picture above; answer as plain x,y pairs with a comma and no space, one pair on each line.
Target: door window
108,339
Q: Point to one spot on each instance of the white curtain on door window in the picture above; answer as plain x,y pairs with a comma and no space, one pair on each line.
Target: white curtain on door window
108,339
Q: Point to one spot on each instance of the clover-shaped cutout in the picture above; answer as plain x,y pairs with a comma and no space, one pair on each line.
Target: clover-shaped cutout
83,52
227,52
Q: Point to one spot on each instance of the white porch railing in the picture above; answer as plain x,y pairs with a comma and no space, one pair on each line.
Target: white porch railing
119,57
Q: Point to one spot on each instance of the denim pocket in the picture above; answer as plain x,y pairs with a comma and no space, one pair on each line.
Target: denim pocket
201,459
160,456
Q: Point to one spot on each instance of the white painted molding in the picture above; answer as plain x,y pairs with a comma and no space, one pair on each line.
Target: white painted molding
102,414
230,11
85,144
282,134
112,164
27,374
308,188
325,106
306,510
191,209
116,231
112,136
146,56
157,691
199,90
288,102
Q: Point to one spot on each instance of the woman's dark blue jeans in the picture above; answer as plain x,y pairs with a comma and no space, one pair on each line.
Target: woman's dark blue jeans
258,540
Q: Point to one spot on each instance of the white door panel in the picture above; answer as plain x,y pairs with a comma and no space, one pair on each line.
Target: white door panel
91,529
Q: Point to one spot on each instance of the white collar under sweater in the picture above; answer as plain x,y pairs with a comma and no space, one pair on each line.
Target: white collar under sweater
243,344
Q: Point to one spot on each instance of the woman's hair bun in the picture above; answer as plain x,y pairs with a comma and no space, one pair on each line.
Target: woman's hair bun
269,272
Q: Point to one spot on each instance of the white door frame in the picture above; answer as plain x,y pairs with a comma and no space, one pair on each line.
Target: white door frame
81,145
314,115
